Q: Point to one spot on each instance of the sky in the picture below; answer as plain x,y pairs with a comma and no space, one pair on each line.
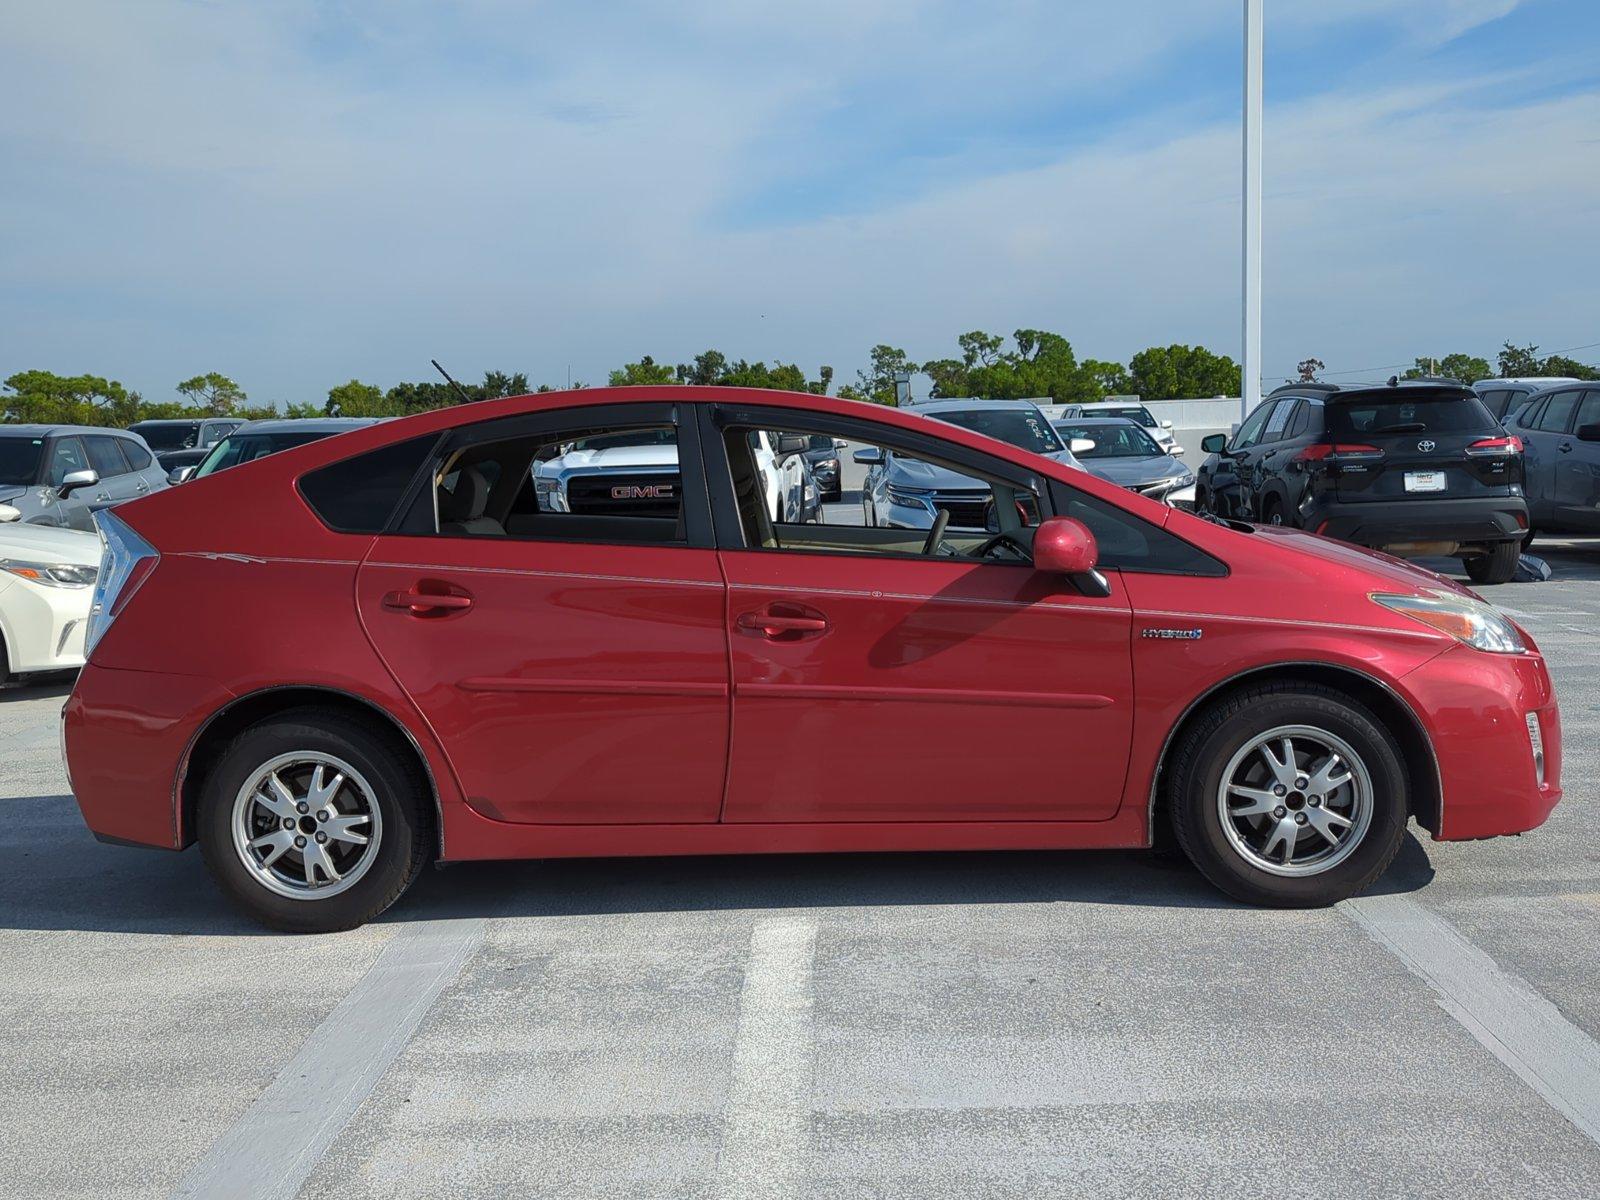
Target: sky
299,193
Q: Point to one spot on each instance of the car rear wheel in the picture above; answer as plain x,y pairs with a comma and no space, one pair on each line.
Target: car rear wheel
1290,795
314,821
1527,538
1497,566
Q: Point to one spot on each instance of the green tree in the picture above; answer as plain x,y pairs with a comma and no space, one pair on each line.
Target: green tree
876,383
1525,361
646,371
44,397
1178,371
357,399
1468,368
215,393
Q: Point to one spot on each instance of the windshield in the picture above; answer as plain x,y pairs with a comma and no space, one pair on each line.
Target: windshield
19,460
1112,441
1133,412
633,437
245,447
1402,416
1015,425
180,436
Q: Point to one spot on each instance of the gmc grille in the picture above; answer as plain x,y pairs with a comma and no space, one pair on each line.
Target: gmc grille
631,494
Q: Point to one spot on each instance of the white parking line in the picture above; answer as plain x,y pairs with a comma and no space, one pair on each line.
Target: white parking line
271,1150
768,1129
1513,1021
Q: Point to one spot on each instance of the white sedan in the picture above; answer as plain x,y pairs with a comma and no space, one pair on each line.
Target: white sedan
46,584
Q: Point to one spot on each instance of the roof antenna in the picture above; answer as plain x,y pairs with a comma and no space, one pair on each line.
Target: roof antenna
465,399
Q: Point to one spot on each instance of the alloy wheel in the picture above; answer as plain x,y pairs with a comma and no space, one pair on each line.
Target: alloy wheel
1295,800
306,825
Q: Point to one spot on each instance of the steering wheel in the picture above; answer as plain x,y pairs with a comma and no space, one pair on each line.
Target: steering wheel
940,522
998,541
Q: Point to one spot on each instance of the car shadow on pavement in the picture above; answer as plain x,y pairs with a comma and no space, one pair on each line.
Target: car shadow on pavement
56,685
55,876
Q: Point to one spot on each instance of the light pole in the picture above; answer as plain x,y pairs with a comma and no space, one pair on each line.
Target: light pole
1250,391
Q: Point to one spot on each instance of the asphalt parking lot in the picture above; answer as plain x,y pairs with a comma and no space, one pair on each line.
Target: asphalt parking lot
1037,1024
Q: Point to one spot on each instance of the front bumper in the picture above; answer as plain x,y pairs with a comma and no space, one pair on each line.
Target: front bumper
1476,707
43,626
1379,523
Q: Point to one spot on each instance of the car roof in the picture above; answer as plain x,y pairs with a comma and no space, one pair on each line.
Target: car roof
966,403
1534,380
306,425
1336,393
35,431
180,420
1109,404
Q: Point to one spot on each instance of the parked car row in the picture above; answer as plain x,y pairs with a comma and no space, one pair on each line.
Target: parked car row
484,668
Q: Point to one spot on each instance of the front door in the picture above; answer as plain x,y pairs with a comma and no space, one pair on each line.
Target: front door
566,642
1577,471
875,682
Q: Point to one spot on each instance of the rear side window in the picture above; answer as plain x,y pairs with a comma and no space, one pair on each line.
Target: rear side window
1307,419
1279,418
1588,412
1403,415
104,457
138,457
359,495
1557,412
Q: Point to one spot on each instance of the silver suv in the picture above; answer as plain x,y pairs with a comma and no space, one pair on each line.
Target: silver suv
63,474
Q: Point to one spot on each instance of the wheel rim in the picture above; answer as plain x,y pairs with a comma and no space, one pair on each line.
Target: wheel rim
1295,800
306,825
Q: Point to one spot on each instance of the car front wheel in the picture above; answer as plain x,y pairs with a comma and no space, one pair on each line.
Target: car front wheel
314,821
1497,566
1290,795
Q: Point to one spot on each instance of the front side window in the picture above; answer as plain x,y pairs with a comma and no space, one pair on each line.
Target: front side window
1557,412
1251,429
911,502
66,456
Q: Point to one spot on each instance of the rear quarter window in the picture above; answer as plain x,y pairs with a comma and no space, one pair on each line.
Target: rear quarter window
360,494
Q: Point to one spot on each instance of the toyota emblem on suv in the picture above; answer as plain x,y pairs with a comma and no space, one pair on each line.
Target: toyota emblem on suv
1426,446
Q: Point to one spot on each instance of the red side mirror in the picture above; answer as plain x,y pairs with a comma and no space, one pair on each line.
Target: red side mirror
1065,546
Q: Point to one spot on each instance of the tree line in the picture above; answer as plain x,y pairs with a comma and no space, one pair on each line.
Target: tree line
1032,363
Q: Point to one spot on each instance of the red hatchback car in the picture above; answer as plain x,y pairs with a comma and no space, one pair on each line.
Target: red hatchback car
574,624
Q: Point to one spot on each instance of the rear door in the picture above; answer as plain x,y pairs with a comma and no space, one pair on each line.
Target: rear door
1577,470
573,664
118,482
1543,429
1419,440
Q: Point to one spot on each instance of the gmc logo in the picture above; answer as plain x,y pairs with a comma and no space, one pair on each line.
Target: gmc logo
648,491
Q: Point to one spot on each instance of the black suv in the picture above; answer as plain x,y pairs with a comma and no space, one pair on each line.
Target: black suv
1416,468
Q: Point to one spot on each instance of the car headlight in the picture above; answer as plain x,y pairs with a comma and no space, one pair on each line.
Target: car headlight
915,497
65,575
543,486
1184,480
1477,624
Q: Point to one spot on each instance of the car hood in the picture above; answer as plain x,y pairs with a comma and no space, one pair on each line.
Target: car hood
618,457
914,473
1386,570
1133,472
39,543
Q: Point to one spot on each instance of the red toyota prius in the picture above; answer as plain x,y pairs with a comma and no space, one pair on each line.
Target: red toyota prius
580,624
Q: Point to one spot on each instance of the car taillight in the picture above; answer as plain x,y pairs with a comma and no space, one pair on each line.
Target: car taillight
1337,451
1496,445
126,561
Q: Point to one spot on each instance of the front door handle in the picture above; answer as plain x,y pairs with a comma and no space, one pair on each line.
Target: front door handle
422,603
1565,447
783,626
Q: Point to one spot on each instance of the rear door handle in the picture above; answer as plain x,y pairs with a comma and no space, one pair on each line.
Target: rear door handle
419,603
777,625
1565,447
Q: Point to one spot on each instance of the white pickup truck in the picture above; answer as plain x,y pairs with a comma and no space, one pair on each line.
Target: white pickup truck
636,474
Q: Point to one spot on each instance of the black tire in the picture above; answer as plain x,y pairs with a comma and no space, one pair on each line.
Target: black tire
1272,512
1527,539
399,787
1226,727
1497,566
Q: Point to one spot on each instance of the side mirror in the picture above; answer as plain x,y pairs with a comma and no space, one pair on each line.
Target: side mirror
73,480
9,513
839,443
785,444
1176,451
1589,433
1213,443
870,456
180,475
1082,445
1065,546
1166,424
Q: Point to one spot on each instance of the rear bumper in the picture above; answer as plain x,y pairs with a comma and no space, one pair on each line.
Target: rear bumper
124,736
1476,706
1379,523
